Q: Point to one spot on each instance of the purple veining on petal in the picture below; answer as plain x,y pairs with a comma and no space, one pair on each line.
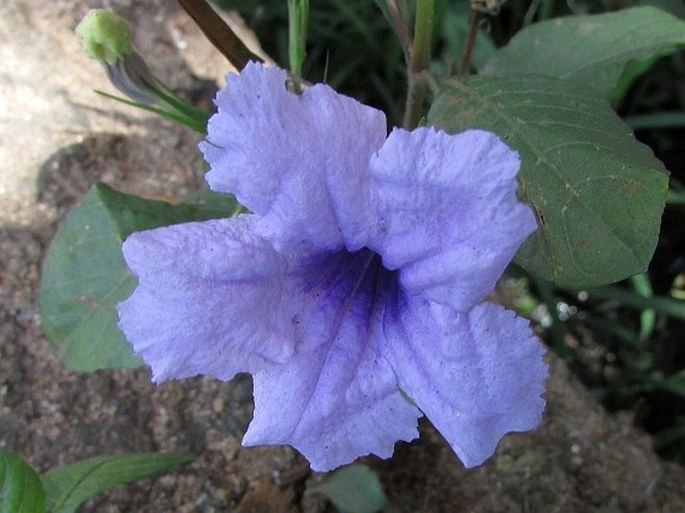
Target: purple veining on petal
277,153
202,292
362,272
475,375
448,205
337,398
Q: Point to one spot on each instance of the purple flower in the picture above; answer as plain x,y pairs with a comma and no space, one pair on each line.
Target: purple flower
358,281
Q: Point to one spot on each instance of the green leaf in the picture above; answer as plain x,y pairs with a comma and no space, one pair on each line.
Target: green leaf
84,275
594,49
69,486
20,488
598,193
352,489
213,205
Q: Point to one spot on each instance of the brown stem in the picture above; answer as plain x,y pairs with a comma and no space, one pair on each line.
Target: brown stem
470,42
218,33
402,28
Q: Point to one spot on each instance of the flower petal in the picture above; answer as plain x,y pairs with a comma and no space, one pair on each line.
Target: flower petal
448,206
203,293
337,398
475,375
300,162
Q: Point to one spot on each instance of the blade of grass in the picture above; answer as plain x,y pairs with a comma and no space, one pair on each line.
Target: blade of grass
643,287
675,197
656,120
673,307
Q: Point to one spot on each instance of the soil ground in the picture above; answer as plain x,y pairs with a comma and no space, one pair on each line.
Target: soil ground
56,139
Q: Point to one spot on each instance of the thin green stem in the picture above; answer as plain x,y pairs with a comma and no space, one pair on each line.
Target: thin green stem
423,35
416,94
420,58
197,123
643,287
298,17
675,197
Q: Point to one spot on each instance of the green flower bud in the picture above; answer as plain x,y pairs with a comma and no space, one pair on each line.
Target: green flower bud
105,36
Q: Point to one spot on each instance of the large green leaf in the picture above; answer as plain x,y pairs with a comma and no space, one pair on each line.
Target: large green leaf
593,49
84,275
20,488
68,486
598,193
353,489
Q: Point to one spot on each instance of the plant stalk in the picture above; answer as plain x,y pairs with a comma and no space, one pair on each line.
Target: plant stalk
219,33
420,59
